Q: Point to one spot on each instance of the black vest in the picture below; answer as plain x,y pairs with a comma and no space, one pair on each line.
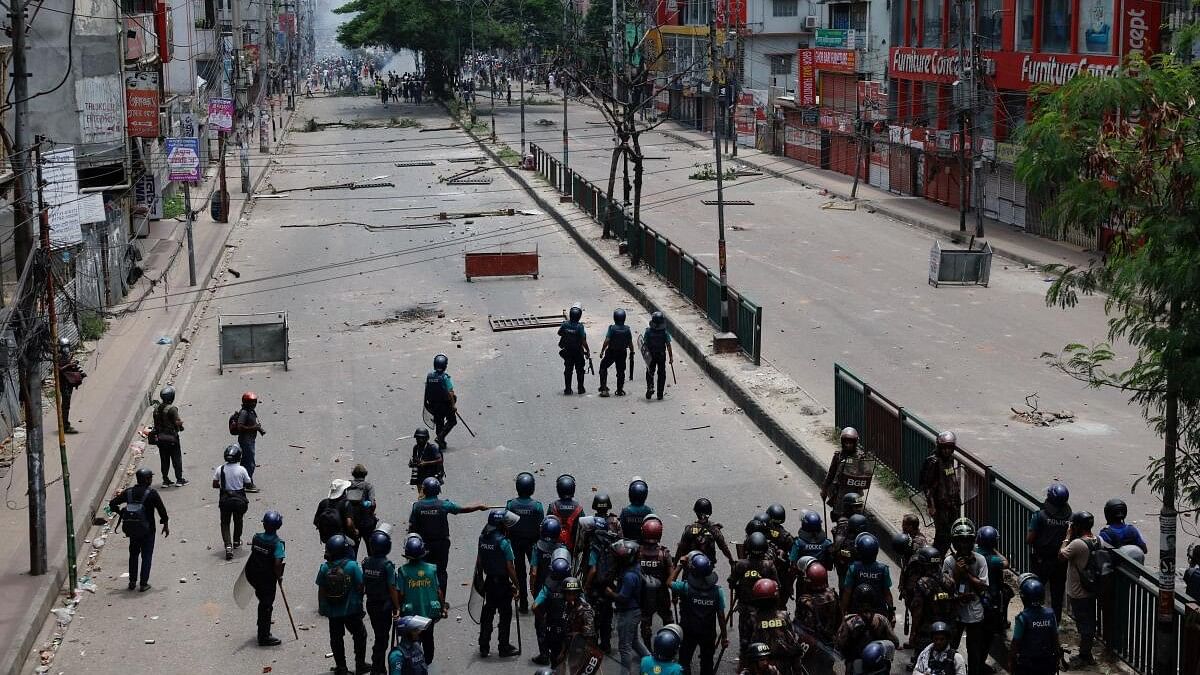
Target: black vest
527,526
430,520
1039,644
620,339
698,608
435,388
491,556
656,340
375,579
260,566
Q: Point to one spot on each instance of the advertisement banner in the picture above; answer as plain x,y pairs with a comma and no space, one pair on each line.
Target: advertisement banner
183,159
101,109
1015,71
835,60
830,37
1139,26
141,104
220,114
61,193
287,23
806,89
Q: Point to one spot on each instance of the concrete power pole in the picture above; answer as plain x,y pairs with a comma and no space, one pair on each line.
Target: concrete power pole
964,117
714,94
26,299
976,102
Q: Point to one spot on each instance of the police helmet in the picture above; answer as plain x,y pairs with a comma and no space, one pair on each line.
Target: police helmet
167,394
865,597
1082,520
414,547
929,555
544,671
757,524
379,544
233,453
638,491
64,343
867,547
575,312
652,529
902,545
431,486
666,642
1115,511
816,575
337,547
963,527
764,589
852,501
1058,494
988,538
700,565
1033,592
413,623
877,656
565,486
624,549
849,434
857,523
777,513
525,484
572,585
947,439
658,319
496,517
702,507
811,522
619,317
756,543
601,502
144,476
421,433
551,528
272,521
940,628
560,568
440,362
250,398
759,652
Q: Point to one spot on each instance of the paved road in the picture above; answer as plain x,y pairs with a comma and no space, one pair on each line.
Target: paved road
361,341
849,287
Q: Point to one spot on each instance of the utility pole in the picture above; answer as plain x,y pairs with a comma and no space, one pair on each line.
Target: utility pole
964,118
187,208
52,309
1165,652
976,101
858,126
26,300
716,105
563,83
240,106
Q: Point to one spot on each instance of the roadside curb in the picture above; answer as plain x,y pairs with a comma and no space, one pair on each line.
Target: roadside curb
796,450
95,491
890,212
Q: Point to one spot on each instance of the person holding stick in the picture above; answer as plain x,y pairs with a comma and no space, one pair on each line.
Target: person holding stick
264,571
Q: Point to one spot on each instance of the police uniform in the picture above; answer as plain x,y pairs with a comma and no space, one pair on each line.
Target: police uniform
1049,526
571,338
602,572
819,612
495,553
429,518
379,577
774,629
656,339
265,549
875,574
930,602
843,547
742,579
807,544
523,537
422,456
438,387
1035,632
857,630
782,541
415,582
655,561
939,481
567,511
700,600
620,341
704,536
631,520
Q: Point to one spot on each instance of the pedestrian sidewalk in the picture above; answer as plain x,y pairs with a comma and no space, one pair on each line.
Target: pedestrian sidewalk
1006,240
123,369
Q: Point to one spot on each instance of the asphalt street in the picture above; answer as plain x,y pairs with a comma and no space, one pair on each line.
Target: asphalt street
850,287
368,308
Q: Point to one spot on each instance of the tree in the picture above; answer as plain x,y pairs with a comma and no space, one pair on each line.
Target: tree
1118,153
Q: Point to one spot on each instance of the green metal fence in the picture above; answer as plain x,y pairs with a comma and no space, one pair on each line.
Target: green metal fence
692,279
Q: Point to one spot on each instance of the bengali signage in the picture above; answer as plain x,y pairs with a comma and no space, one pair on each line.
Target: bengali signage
830,37
835,60
183,159
220,114
287,23
806,91
141,104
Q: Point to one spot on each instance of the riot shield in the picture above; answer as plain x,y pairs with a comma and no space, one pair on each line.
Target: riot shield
243,592
475,601
854,475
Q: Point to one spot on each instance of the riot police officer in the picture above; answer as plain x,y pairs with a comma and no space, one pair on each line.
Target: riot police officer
773,627
524,535
940,657
998,594
604,532
868,570
550,613
264,570
876,658
657,344
782,541
838,480
495,561
379,581
566,509
746,572
1047,530
810,542
428,518
701,611
581,624
655,561
440,399
547,548
1034,649
573,348
940,484
663,650
417,592
703,535
616,348
844,535
862,626
817,606
427,460
633,515
603,523
930,600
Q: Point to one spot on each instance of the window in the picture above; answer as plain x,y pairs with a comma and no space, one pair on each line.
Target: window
858,16
914,14
1013,104
933,24
990,17
781,65
1095,26
137,7
930,108
785,8
1025,24
695,13
1056,25
839,16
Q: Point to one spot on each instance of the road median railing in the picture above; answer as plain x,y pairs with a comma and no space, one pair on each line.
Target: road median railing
901,441
692,279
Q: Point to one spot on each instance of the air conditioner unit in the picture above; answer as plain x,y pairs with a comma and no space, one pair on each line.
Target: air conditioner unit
811,22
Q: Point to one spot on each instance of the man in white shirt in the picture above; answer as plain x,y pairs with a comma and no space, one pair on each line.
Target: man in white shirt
231,478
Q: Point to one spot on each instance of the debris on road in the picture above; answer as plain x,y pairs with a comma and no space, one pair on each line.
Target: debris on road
1041,418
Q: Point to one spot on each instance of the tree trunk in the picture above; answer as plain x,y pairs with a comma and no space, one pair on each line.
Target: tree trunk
1165,658
612,185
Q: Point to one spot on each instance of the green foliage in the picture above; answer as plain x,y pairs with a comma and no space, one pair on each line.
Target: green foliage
404,122
1117,152
91,326
709,172
173,207
507,155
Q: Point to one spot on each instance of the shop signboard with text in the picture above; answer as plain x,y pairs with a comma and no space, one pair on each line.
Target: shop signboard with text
1014,71
141,104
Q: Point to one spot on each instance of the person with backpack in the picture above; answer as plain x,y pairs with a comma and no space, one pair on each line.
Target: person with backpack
379,582
657,350
330,518
573,348
1079,552
264,571
440,399
245,425
566,509
231,479
417,593
1117,533
360,506
626,594
703,534
604,531
429,518
165,435
998,594
632,516
340,600
70,378
617,343
140,503
655,562
524,535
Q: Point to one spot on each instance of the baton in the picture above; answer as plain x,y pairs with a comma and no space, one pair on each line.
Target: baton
672,363
464,422
631,364
517,618
288,608
728,619
591,368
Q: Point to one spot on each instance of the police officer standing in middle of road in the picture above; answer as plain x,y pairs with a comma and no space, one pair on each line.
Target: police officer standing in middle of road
701,611
167,426
440,399
429,518
340,600
617,343
657,342
703,535
939,482
379,580
524,535
264,570
500,588
573,348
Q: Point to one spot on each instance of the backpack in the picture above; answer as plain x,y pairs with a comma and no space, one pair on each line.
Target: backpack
329,519
359,515
1099,565
233,423
650,588
134,522
336,588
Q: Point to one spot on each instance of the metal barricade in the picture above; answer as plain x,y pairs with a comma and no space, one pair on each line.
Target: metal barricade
881,430
1009,510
